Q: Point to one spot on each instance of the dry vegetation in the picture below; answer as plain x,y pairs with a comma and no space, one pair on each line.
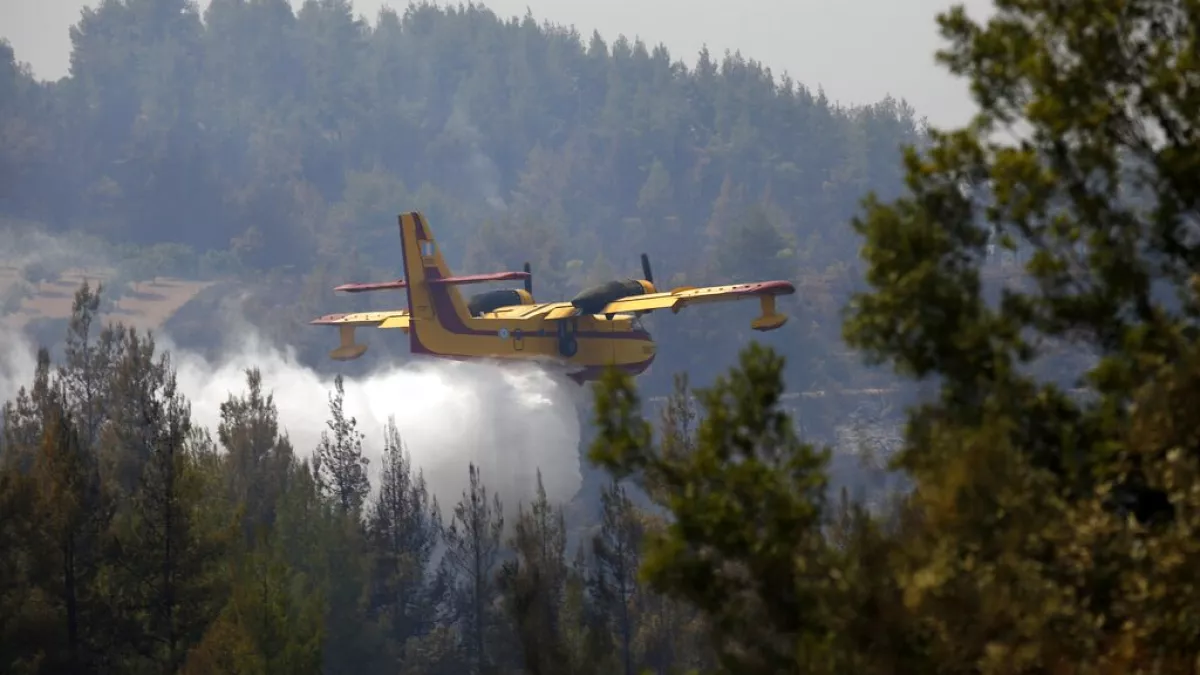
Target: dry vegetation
144,305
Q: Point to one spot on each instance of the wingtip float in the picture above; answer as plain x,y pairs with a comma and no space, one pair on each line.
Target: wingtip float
599,327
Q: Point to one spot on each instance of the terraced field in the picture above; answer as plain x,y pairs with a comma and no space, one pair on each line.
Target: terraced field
144,305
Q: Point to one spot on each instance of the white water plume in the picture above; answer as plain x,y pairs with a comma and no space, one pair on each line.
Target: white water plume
18,361
510,420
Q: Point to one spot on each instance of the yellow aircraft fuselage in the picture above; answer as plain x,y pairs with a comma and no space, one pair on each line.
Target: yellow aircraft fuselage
442,324
439,322
597,341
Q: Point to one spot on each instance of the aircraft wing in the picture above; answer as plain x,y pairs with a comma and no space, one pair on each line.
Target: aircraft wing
679,298
347,348
394,318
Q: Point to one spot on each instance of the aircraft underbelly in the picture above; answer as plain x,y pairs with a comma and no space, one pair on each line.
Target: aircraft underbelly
594,351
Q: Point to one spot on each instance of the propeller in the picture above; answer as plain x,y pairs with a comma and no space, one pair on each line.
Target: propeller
648,275
529,279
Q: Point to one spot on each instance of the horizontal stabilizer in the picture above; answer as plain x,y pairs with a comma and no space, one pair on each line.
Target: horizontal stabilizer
480,278
372,286
448,281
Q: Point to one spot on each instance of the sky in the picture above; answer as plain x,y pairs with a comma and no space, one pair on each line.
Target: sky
858,51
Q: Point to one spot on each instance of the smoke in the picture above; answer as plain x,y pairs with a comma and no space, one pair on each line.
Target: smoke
25,243
509,420
480,167
18,362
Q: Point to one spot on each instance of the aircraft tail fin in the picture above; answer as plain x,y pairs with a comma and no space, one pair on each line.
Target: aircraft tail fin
433,295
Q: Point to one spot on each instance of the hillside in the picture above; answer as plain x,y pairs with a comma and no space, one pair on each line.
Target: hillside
265,139
145,305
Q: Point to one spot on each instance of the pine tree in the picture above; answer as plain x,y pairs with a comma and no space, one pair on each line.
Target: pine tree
301,517
753,247
677,433
340,462
57,511
745,544
166,554
534,583
72,510
24,635
617,554
52,535
403,529
586,637
258,457
672,635
473,541
1048,527
24,418
271,624
88,360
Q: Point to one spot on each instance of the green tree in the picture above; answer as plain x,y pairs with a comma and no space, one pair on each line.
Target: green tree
437,652
271,624
473,548
403,529
352,643
72,510
584,626
56,514
753,248
1054,521
535,582
259,457
339,460
617,552
25,414
23,635
655,195
168,551
745,545
89,354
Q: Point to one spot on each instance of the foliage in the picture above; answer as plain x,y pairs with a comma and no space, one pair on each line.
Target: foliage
745,544
340,464
1080,514
1046,531
132,541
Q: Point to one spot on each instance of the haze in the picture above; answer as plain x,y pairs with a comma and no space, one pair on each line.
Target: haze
858,50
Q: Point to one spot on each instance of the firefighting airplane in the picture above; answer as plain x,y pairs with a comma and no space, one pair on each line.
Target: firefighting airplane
596,329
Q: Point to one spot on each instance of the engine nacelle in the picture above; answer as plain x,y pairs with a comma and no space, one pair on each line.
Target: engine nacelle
491,301
593,300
